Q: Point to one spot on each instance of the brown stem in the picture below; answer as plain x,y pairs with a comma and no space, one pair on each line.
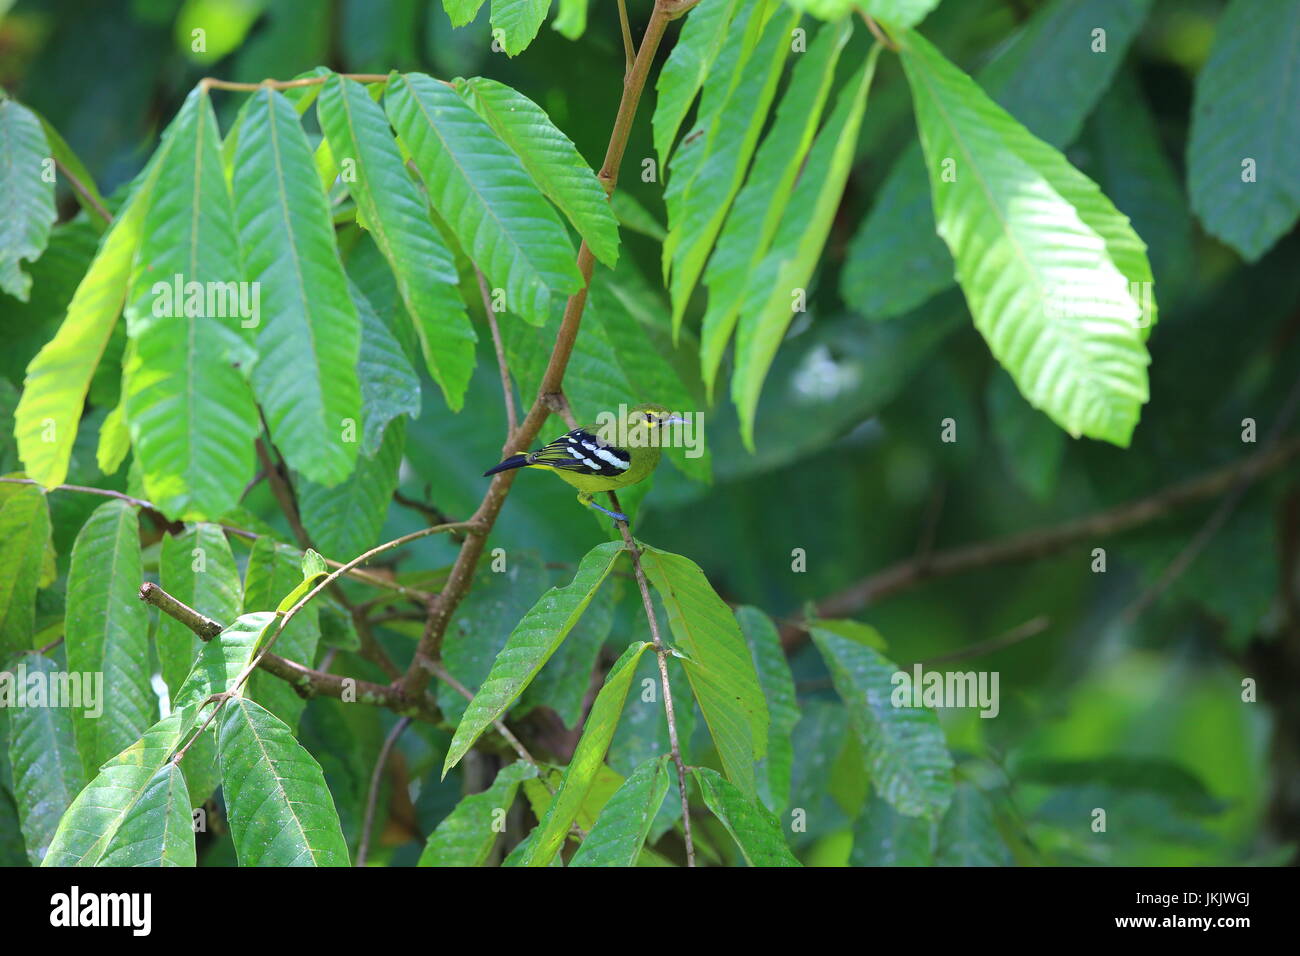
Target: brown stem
662,655
307,681
377,580
372,797
212,83
277,477
446,677
87,196
1045,541
204,627
512,416
443,605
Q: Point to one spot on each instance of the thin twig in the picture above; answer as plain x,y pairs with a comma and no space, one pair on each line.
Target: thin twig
83,191
212,83
512,416
443,605
363,849
662,655
445,676
308,681
876,31
629,47
276,477
1216,521
202,625
282,621
368,577
1045,541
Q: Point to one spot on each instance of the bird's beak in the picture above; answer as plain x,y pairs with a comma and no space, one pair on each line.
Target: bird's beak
673,420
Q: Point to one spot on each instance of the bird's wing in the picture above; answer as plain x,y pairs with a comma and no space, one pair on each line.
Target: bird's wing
581,452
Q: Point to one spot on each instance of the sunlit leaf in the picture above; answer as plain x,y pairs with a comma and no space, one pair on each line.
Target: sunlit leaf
468,834
716,660
531,644
756,831
395,213
487,198
588,757
280,811
309,336
107,632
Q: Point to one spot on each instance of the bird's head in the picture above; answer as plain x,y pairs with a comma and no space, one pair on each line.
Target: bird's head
651,416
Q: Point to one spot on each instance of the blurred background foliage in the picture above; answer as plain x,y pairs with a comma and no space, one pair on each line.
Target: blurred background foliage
1119,690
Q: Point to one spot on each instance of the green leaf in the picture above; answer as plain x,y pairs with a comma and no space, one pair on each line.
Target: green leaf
588,758
707,172
309,336
717,662
1243,155
485,195
1029,443
788,266
516,22
220,663
1038,252
158,829
47,772
550,158
530,645
346,520
634,216
389,386
899,13
107,632
114,440
461,12
904,746
693,56
571,21
757,212
467,835
621,828
391,208
92,202
54,390
280,811
756,831
1049,79
274,573
782,705
968,835
188,406
90,824
563,683
26,195
24,538
884,837
197,568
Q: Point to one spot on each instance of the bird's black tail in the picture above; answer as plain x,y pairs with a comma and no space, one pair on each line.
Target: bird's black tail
514,461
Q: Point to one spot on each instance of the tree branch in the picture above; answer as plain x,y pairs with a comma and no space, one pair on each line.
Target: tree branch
308,682
1045,541
443,605
512,417
377,580
372,796
662,655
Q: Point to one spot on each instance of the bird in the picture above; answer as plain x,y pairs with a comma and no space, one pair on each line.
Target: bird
592,463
